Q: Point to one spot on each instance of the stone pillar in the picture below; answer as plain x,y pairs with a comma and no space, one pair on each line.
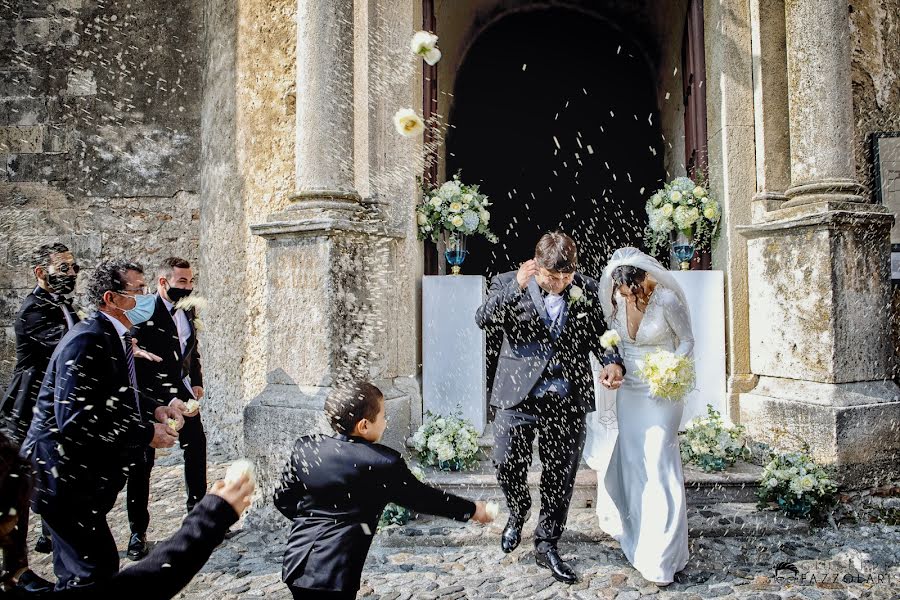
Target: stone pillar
770,105
325,111
820,337
820,102
328,260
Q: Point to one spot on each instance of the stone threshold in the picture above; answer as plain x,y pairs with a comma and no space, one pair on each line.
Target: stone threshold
737,484
738,519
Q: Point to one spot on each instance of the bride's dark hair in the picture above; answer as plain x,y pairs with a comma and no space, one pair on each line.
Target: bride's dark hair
632,278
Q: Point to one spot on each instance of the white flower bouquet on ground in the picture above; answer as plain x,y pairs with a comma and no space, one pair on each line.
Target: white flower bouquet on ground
447,442
453,208
797,485
685,206
669,375
711,443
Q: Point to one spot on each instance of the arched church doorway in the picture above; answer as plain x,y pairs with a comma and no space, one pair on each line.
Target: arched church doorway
555,115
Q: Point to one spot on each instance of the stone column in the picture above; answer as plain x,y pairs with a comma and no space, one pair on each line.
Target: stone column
325,111
820,102
328,256
770,105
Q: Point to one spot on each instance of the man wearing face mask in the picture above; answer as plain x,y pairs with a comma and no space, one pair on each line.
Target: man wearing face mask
172,335
89,416
45,317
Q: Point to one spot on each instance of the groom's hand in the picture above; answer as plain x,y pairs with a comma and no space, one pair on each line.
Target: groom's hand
612,377
528,270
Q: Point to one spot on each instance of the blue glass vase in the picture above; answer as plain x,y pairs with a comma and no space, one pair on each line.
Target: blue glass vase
683,248
455,252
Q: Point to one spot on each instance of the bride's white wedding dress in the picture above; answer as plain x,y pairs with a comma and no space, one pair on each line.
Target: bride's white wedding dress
640,497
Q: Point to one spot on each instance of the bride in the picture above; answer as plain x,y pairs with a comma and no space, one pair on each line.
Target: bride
641,499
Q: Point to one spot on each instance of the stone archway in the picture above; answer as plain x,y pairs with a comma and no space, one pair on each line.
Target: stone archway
555,115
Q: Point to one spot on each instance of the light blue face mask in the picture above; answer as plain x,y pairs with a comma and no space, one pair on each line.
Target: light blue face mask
143,309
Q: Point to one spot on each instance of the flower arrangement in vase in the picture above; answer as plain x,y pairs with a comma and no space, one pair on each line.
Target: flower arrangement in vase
684,216
450,212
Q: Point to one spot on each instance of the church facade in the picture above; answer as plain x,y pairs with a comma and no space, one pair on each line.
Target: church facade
298,195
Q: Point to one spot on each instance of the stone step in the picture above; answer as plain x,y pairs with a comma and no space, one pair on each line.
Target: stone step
729,519
738,484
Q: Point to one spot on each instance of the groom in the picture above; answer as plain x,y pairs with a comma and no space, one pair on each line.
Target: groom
551,320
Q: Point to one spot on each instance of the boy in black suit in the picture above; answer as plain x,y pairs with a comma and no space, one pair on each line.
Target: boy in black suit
335,489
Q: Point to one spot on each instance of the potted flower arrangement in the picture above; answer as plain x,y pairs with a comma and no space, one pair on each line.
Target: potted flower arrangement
446,442
684,215
797,485
712,444
451,212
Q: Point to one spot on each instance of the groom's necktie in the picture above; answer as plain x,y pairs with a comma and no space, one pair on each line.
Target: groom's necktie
132,376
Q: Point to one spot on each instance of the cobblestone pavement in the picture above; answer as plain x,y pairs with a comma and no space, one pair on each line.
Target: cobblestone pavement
852,561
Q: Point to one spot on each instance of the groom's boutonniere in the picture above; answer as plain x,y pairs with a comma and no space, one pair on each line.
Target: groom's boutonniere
577,299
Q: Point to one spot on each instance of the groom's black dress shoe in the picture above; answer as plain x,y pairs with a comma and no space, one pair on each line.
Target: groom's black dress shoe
553,561
512,534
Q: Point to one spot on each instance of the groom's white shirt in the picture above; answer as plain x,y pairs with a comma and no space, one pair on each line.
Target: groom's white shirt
554,305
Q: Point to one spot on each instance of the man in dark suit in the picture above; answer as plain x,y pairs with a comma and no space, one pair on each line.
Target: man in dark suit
89,415
45,317
335,489
170,334
551,320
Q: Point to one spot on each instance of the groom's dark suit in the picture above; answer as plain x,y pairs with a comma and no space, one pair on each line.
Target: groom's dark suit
543,384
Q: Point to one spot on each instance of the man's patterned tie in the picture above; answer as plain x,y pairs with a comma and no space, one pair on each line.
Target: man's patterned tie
132,376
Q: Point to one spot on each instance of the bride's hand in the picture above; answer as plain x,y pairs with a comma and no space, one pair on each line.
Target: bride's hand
612,377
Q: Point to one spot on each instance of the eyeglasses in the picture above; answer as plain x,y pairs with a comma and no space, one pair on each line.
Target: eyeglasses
134,292
66,267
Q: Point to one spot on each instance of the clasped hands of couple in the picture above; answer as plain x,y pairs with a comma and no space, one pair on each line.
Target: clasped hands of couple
612,376
165,436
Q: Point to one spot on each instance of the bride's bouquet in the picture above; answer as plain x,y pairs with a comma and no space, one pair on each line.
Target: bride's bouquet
669,375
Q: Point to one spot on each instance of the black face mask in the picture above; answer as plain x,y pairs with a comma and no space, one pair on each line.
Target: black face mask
175,294
61,284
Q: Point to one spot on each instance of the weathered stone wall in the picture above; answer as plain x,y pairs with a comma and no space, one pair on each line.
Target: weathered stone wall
247,172
99,135
875,29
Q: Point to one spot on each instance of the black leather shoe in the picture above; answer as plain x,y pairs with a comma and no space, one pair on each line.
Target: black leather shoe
31,582
512,534
553,561
43,545
137,546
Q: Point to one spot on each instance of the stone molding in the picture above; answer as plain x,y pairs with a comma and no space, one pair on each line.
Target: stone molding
830,215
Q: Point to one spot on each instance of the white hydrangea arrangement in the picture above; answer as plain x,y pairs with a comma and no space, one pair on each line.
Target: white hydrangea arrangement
446,442
669,375
682,205
454,208
711,443
797,485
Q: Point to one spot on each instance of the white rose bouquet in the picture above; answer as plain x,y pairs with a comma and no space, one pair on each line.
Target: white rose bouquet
797,485
446,442
711,443
453,208
669,375
682,205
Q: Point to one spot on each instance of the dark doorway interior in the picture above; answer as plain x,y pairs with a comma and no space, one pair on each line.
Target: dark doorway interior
555,116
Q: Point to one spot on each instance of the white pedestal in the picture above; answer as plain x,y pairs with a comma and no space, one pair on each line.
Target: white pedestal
453,354
705,291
